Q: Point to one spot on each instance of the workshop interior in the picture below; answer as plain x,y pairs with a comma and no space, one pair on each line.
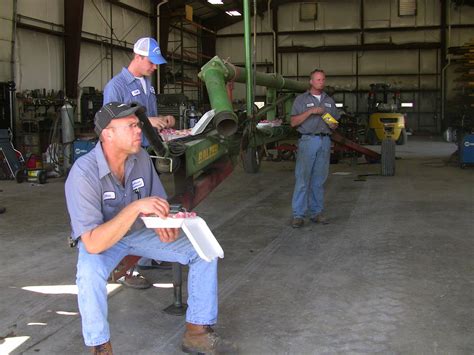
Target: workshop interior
401,74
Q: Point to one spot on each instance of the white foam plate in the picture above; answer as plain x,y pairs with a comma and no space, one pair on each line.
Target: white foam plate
197,231
157,222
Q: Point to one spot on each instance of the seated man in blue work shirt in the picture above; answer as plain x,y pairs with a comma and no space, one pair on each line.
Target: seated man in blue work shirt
106,192
133,84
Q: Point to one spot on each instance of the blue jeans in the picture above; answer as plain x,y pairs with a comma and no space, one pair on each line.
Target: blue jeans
311,172
93,271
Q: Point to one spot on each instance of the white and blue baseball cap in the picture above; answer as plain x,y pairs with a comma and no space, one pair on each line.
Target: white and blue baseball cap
149,47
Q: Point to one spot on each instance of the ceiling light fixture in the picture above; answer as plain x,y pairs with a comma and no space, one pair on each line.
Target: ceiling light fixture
233,13
215,2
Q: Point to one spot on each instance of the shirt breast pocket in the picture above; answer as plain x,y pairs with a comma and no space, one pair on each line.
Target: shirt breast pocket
111,208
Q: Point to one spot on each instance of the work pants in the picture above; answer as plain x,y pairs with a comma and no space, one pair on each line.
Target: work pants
93,271
311,172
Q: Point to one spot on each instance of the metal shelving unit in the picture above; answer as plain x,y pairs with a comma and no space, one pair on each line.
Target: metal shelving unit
461,107
184,60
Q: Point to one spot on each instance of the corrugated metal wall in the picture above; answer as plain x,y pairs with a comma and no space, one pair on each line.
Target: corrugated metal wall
39,59
6,30
416,72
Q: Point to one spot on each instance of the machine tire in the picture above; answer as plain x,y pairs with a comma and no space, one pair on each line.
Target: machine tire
42,177
251,159
388,158
20,175
371,137
403,137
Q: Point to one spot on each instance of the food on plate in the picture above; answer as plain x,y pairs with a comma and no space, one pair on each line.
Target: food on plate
183,215
169,134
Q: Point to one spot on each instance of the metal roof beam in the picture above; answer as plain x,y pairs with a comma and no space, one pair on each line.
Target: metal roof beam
355,47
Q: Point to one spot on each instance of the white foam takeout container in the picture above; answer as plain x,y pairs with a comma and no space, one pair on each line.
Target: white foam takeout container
197,231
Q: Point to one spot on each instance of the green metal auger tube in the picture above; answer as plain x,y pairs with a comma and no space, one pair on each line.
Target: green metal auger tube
216,73
273,80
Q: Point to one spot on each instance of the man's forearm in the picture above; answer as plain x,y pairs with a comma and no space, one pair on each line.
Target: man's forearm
299,119
107,234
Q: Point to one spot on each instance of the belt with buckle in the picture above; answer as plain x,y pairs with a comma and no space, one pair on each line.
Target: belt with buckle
320,134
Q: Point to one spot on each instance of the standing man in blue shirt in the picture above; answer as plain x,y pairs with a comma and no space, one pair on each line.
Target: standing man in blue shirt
107,190
314,150
133,84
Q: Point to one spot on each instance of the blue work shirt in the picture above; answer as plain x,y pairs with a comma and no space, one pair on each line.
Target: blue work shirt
314,123
125,88
94,196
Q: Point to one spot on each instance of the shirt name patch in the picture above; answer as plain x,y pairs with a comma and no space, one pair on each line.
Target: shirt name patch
109,195
310,104
137,184
152,90
135,92
327,105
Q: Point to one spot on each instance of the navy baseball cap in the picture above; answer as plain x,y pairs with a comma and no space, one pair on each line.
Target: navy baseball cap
113,110
149,47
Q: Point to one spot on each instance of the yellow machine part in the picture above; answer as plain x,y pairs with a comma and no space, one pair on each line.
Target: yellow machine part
387,124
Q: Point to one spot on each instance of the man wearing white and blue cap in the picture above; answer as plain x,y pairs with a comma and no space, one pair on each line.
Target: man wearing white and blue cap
133,84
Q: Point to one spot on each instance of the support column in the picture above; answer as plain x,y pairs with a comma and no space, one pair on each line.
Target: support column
248,59
73,13
275,30
164,23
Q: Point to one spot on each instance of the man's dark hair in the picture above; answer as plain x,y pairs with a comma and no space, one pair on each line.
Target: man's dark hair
316,71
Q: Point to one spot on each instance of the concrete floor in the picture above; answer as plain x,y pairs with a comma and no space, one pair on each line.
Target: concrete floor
393,273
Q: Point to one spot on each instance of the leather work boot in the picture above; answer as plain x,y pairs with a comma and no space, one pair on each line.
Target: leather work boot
103,349
319,218
297,222
201,339
135,280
